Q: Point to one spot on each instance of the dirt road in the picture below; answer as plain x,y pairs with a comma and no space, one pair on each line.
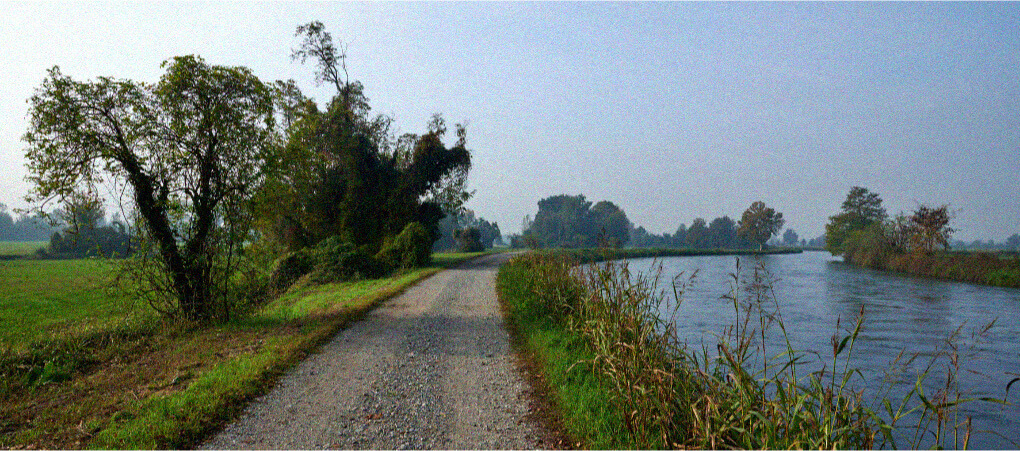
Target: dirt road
431,368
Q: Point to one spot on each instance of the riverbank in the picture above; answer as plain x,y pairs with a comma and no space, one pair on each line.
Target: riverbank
987,268
619,375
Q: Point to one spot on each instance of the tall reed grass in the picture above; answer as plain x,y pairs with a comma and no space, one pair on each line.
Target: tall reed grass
737,394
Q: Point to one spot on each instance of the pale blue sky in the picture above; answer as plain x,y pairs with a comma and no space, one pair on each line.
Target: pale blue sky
671,110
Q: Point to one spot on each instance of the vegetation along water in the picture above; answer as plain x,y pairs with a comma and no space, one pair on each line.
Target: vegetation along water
772,357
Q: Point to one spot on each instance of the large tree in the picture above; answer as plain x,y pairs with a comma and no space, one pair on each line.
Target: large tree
759,223
189,150
861,209
572,222
345,175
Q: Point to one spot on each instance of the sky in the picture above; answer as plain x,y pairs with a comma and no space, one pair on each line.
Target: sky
672,111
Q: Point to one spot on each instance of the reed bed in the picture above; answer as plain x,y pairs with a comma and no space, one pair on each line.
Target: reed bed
657,392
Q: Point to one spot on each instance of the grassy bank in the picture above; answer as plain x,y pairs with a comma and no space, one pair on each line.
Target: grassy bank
87,369
987,268
620,377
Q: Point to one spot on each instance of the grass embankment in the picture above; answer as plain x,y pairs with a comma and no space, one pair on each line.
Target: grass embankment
1000,269
620,377
81,366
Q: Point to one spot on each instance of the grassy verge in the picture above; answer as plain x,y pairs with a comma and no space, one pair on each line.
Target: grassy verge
620,377
155,384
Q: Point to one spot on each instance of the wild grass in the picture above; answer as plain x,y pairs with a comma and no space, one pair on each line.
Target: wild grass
157,383
658,393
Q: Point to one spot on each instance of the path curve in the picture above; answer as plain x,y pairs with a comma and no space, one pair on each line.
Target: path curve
431,368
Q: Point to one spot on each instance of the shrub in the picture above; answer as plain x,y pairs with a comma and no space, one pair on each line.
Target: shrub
469,240
338,260
290,268
411,248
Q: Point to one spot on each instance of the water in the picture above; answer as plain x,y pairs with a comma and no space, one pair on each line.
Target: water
901,313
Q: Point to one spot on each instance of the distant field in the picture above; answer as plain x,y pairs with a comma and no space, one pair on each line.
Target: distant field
44,298
21,247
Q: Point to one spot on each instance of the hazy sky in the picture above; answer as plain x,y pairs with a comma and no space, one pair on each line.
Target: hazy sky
671,110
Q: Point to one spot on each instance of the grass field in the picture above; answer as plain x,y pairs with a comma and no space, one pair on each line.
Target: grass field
53,298
21,248
82,366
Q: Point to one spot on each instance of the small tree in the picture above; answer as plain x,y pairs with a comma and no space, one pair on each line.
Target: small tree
189,149
930,227
861,209
759,223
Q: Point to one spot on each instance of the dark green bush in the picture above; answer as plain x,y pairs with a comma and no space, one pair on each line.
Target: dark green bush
337,260
410,249
290,268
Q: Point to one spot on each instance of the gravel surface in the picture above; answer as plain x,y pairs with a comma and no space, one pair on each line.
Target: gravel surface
431,368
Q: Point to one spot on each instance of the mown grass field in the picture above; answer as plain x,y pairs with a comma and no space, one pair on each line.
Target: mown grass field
82,366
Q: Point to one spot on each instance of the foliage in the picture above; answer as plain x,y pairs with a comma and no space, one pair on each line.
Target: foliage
470,240
860,209
188,150
759,223
452,223
410,249
731,395
24,227
343,174
572,222
930,228
340,261
790,238
87,236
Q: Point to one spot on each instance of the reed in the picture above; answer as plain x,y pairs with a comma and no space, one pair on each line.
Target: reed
664,394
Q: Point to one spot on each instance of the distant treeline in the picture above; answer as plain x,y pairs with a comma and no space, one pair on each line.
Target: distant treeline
573,222
24,227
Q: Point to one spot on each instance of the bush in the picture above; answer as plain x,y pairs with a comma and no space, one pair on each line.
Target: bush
469,240
411,248
290,268
337,260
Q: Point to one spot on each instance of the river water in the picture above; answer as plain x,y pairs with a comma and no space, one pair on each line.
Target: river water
901,313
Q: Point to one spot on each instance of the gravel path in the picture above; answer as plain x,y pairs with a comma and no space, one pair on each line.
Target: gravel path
431,368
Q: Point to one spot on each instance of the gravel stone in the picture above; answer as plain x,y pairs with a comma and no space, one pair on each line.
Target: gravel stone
431,368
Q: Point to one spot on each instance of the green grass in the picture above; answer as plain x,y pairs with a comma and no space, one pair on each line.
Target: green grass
21,248
53,298
620,377
157,384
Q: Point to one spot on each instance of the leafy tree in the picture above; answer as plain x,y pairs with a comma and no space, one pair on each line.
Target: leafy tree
87,235
572,222
6,223
930,228
470,240
723,233
860,209
344,174
759,223
1013,242
697,235
190,148
790,238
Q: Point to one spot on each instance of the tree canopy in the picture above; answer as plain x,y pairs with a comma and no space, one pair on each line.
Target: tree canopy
759,223
573,222
188,150
861,209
